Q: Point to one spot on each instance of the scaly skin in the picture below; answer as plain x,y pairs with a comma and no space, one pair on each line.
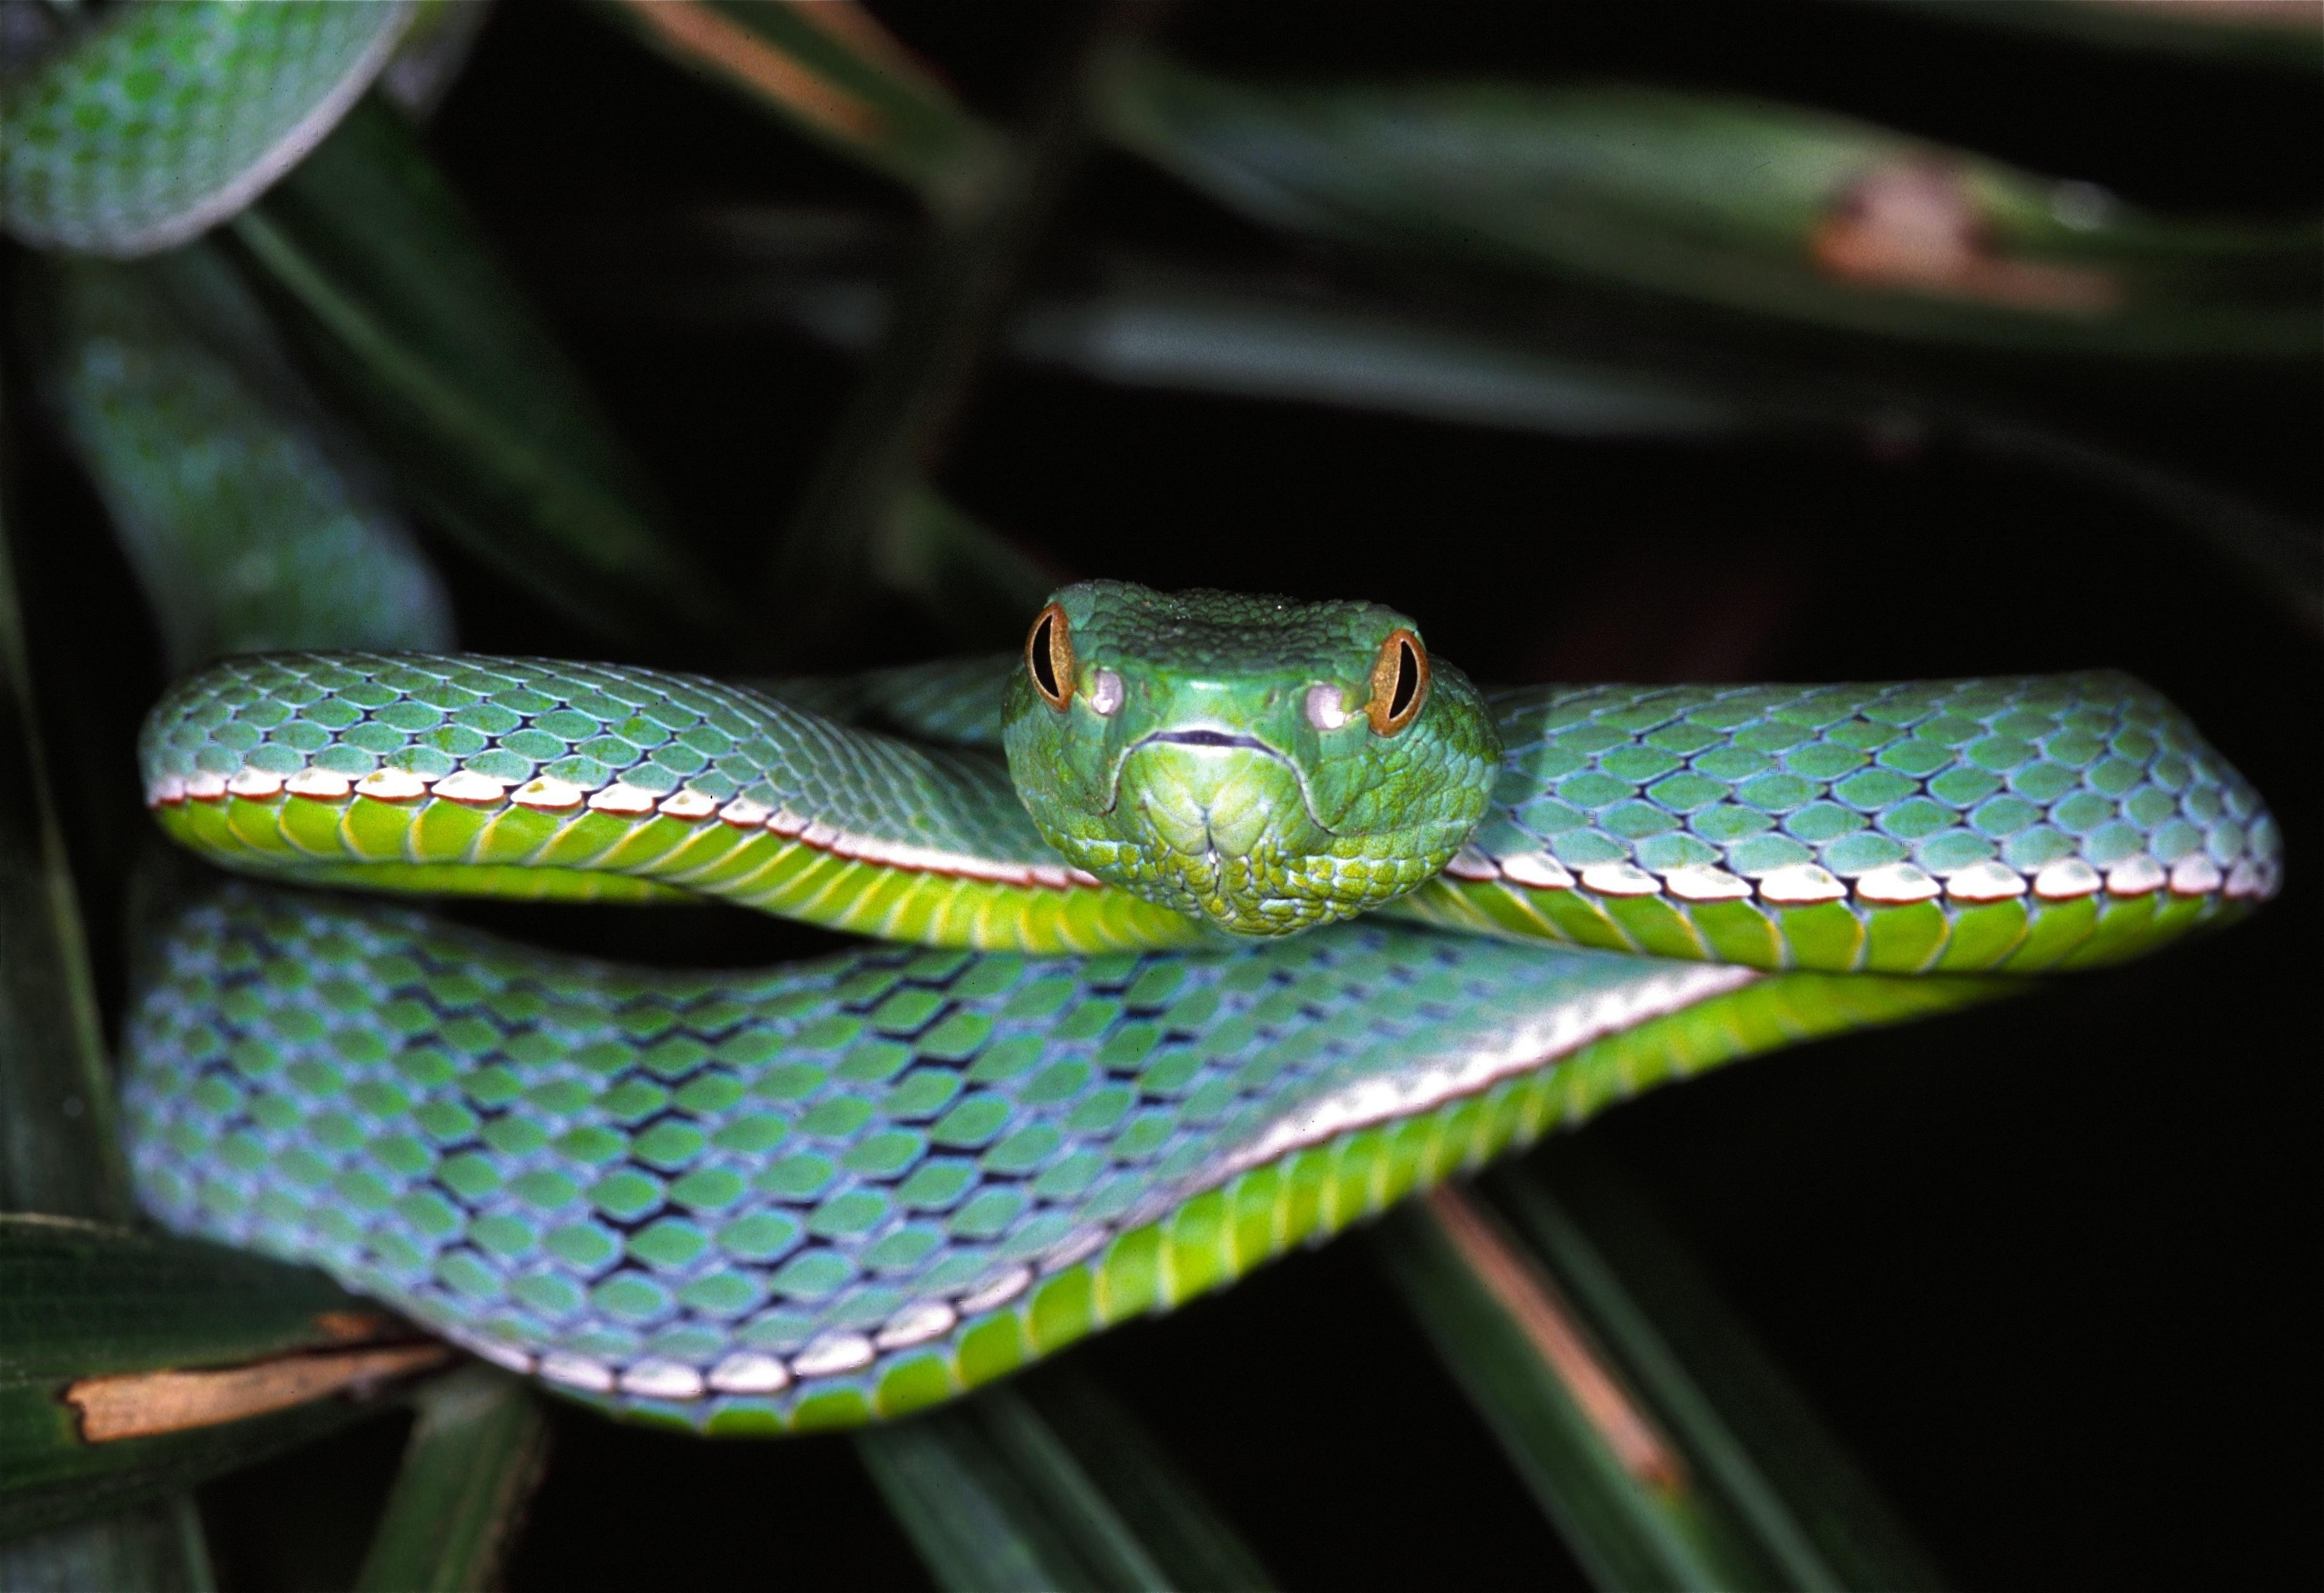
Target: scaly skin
749,1204
158,121
2015,824
2021,823
527,777
1297,826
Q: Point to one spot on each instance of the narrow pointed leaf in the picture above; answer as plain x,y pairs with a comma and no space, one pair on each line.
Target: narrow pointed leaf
2284,35
131,1364
59,1150
831,70
154,1548
967,577
1747,1432
420,333
1048,1483
1183,1531
977,1522
247,522
1728,203
477,1447
1669,1454
1603,1469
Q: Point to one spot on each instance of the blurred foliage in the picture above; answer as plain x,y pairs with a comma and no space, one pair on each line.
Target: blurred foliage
1747,206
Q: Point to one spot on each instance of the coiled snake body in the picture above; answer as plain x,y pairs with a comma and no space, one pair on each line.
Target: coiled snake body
1135,1038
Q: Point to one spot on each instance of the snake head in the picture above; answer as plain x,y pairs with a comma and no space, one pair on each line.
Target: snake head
1257,762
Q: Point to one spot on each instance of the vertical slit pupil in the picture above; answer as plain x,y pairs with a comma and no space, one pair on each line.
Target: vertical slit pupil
1408,680
1044,669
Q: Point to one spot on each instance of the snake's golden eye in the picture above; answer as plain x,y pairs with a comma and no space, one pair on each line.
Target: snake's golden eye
1400,683
1049,657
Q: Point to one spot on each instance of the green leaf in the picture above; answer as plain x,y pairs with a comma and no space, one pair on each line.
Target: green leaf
967,577
421,334
1750,1434
890,439
476,1452
155,1548
1668,1452
1184,1532
249,523
59,1150
1145,325
131,1364
2285,37
1725,204
832,71
1605,1471
997,1496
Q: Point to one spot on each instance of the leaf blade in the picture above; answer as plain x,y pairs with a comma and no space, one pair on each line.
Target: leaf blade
477,1448
421,334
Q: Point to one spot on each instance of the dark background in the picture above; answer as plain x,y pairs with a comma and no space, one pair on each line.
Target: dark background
2037,1266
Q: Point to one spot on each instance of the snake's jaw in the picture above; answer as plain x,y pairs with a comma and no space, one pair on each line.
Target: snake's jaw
1222,831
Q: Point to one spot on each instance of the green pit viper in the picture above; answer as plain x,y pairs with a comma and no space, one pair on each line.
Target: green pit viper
1217,922
1208,925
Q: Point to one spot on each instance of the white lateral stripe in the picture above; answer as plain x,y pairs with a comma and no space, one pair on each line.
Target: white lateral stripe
1987,881
169,792
922,860
2066,879
998,1293
744,813
1468,863
254,784
625,800
1897,884
205,786
1573,1026
689,804
547,794
576,1371
831,1353
1538,870
662,1379
747,1371
2135,876
1075,1249
1700,882
917,1324
391,785
318,784
1619,879
505,1356
465,785
1801,885
2195,876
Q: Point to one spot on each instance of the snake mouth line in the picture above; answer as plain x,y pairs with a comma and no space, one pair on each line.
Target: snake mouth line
1223,740
1208,738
